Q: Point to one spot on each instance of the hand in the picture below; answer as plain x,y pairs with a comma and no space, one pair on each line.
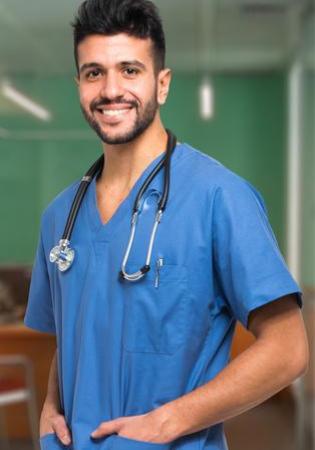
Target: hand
154,426
51,421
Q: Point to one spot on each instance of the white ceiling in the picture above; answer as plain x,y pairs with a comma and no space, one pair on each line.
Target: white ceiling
35,35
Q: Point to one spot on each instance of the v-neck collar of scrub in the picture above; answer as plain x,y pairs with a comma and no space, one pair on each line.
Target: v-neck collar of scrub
124,209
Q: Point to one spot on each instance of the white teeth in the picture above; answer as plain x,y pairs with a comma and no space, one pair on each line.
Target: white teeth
114,112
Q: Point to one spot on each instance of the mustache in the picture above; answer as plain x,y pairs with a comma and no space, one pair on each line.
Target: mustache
96,104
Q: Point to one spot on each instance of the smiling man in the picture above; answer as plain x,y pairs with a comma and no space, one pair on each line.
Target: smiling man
144,364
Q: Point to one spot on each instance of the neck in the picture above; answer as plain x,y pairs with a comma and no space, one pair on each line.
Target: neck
125,163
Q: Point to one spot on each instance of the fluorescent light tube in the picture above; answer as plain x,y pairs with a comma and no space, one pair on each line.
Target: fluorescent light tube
24,102
206,99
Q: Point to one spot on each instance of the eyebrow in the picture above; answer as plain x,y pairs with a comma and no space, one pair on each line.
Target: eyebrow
122,64
133,63
88,66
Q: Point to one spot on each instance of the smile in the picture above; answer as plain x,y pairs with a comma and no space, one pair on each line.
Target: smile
114,112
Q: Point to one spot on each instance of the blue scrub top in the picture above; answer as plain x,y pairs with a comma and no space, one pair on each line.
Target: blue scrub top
126,348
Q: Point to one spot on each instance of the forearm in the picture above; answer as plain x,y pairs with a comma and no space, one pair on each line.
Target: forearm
255,375
52,419
52,400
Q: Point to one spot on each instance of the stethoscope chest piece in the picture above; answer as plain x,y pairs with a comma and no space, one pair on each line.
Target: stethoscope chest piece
62,255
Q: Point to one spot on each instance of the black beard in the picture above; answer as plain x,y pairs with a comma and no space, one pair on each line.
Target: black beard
142,122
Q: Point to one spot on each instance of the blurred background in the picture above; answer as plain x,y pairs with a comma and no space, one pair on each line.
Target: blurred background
243,92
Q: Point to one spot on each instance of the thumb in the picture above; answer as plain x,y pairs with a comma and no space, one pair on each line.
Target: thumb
62,431
105,428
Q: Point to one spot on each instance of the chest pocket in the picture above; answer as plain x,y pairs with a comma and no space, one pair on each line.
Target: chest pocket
155,309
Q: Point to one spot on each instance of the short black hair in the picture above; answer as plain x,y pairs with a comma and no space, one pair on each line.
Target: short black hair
138,18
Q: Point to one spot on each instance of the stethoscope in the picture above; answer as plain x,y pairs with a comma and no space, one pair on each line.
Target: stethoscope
63,255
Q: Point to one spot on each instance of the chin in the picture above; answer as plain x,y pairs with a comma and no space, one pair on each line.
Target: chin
119,136
116,138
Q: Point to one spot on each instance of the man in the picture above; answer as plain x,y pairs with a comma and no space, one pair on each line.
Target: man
143,365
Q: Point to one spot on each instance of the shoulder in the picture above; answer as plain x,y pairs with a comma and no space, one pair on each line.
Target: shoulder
210,174
63,200
55,214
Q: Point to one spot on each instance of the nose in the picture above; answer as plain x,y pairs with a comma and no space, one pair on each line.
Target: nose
111,87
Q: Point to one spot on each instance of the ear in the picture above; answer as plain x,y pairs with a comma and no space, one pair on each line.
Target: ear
77,80
164,81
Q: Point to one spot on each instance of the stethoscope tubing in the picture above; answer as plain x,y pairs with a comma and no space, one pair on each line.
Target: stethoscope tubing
84,184
164,162
171,144
63,254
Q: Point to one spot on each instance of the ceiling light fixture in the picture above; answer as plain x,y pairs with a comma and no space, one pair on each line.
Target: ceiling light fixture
207,16
24,102
206,99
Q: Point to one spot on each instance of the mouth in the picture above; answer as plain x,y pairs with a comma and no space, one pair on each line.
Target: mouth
117,112
114,113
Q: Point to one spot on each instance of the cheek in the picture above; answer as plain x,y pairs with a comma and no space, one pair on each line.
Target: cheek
83,98
87,94
144,89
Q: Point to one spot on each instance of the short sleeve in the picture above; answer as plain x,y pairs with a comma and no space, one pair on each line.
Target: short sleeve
250,268
39,312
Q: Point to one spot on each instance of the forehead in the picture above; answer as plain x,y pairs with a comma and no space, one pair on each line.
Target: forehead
108,50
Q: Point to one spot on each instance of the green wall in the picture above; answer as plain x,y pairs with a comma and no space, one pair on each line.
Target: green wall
37,160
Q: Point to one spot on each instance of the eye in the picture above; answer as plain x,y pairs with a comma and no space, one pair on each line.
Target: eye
131,71
93,74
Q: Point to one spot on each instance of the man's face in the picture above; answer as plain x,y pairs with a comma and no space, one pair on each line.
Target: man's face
119,91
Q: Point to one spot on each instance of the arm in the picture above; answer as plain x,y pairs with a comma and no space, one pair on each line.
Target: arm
278,356
52,397
51,420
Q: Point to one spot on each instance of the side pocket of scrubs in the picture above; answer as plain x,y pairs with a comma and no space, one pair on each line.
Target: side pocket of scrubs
156,310
50,441
122,443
